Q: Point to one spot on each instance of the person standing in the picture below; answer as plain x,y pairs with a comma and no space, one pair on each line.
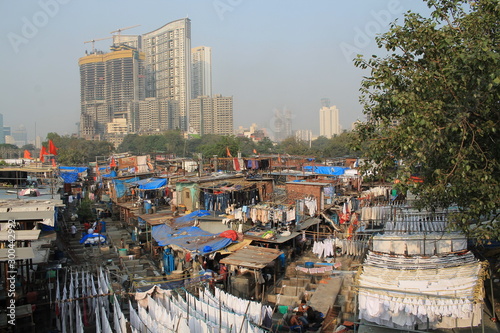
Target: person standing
73,230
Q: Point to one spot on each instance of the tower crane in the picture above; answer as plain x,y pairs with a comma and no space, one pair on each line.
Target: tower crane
95,40
119,31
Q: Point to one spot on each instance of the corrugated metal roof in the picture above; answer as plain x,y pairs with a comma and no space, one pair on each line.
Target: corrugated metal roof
20,235
253,257
234,247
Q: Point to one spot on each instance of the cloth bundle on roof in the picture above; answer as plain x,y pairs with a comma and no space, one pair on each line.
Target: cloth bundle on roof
325,170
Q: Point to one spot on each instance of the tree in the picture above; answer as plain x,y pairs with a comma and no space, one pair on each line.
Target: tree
218,145
265,146
170,142
29,146
77,151
433,108
293,146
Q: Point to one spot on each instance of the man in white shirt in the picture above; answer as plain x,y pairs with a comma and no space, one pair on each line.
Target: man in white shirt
73,230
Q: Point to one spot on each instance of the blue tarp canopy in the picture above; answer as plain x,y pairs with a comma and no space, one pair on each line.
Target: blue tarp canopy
326,170
121,185
110,175
72,169
190,238
191,216
69,177
152,183
120,188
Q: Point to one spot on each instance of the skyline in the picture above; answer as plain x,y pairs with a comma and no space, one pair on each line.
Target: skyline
268,56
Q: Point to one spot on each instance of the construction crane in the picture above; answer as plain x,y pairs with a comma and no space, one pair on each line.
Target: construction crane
95,40
119,31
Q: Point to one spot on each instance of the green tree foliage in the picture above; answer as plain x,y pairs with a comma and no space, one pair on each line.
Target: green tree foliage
84,211
30,147
292,146
77,151
338,146
216,145
9,151
433,106
170,142
265,146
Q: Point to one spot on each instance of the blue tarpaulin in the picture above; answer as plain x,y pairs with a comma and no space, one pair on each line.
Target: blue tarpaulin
189,238
120,185
191,216
120,188
326,170
69,177
72,169
69,174
110,175
92,236
153,184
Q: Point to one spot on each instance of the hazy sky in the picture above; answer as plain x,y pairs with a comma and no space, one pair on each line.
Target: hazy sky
268,55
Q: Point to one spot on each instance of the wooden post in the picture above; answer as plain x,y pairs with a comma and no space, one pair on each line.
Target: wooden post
244,316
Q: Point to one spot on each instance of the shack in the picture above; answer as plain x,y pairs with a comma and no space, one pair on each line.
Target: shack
247,265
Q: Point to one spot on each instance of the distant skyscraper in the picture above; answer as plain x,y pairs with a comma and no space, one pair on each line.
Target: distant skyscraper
20,136
168,66
2,134
108,83
211,115
282,124
329,124
201,71
303,135
154,115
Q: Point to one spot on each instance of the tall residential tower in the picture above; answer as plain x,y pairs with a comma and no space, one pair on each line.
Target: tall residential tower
108,83
211,115
168,66
201,71
329,125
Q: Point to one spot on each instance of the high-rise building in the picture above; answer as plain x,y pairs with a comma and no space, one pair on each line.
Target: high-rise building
20,136
201,71
2,134
325,102
303,135
282,124
154,115
329,125
223,115
168,66
108,83
211,115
